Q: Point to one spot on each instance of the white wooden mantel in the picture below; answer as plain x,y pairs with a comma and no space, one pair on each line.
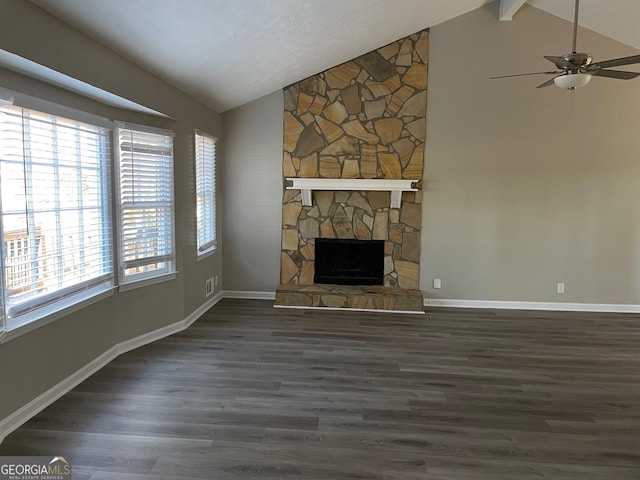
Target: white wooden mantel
308,185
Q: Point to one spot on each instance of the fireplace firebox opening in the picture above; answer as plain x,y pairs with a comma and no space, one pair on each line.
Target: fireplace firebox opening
349,261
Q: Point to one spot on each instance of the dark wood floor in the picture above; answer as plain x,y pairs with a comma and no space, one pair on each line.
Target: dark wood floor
252,392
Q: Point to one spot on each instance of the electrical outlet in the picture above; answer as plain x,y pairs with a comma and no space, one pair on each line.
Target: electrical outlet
437,283
560,288
208,287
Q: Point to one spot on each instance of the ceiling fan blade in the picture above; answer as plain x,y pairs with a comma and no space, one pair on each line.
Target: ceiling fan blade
525,74
615,62
559,62
616,74
547,83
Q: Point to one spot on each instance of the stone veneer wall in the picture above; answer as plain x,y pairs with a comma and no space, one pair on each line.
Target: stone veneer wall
363,119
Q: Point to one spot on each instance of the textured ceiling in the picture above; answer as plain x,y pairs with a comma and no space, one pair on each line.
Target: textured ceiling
229,52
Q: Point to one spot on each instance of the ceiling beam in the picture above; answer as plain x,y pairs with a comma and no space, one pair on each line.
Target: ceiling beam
508,8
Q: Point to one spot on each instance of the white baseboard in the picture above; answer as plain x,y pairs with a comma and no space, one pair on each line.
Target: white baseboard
553,306
35,406
497,304
249,295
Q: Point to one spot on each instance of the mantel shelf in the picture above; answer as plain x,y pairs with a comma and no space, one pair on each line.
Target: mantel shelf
395,186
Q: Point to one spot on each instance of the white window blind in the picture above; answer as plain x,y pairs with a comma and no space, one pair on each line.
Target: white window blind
146,202
205,192
3,325
56,210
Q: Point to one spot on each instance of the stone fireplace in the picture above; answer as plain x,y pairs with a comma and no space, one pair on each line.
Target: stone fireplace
364,119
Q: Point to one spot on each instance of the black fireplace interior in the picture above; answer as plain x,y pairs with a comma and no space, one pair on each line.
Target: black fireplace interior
349,261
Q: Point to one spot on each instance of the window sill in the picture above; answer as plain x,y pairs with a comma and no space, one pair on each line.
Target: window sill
125,287
206,253
47,316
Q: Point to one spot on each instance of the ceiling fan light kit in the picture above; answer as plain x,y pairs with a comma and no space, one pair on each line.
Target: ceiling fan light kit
572,80
576,69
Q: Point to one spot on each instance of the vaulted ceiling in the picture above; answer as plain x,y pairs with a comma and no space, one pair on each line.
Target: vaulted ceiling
228,52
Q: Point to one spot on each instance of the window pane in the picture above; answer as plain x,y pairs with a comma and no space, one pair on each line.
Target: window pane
205,192
146,203
56,216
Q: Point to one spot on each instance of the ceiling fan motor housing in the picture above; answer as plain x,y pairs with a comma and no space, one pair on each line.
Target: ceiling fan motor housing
578,60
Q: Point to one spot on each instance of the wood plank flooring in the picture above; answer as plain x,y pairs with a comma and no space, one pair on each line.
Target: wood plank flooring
253,392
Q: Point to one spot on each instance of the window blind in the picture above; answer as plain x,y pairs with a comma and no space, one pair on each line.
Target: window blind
205,192
56,209
146,202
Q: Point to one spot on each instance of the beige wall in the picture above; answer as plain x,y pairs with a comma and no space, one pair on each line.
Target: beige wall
523,188
36,361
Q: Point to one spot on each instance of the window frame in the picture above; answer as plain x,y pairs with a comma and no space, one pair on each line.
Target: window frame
28,321
141,279
34,313
211,245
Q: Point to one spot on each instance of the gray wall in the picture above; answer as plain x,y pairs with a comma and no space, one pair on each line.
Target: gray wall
251,182
36,361
524,188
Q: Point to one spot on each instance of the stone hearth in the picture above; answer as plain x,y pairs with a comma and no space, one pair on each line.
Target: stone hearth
341,296
364,119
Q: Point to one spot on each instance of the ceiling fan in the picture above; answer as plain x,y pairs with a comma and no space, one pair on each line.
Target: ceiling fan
576,69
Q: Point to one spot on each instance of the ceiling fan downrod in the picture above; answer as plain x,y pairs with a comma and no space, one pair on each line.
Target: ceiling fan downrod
575,26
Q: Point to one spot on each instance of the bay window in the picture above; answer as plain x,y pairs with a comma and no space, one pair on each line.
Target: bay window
62,184
55,194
